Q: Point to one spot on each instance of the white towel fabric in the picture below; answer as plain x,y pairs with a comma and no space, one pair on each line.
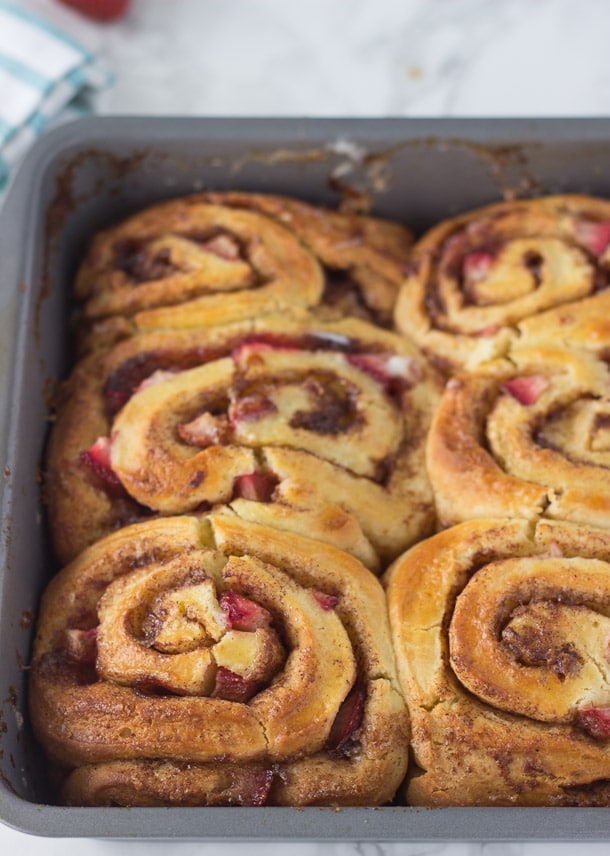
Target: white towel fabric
43,71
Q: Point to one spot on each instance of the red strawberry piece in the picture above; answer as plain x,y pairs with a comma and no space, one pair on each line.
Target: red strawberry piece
81,645
232,687
251,408
97,458
595,721
392,371
490,330
243,614
347,721
205,430
223,246
326,601
99,10
475,266
527,390
255,486
255,787
594,235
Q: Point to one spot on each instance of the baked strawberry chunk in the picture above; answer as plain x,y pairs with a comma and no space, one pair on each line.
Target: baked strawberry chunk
255,788
251,408
326,601
595,721
394,372
232,687
205,430
97,458
527,390
476,266
594,235
243,614
347,721
255,486
81,645
224,246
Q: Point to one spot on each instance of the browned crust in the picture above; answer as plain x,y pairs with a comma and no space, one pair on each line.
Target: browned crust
333,505
114,735
287,244
466,750
448,323
490,454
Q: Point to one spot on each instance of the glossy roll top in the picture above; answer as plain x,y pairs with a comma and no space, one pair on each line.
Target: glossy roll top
501,634
217,661
321,423
475,278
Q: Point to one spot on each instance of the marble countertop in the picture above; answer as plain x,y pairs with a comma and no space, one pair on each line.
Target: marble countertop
345,58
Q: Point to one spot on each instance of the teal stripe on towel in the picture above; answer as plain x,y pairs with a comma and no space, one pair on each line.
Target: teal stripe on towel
6,131
24,73
41,24
37,123
77,78
3,172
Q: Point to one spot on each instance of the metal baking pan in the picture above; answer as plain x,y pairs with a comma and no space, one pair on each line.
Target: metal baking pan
92,172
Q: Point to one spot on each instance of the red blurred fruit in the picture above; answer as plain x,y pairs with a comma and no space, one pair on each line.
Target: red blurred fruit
97,458
527,390
243,613
99,10
595,721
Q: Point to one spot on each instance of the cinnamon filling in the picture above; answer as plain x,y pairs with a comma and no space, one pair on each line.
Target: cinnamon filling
125,379
135,258
334,409
343,294
535,644
131,256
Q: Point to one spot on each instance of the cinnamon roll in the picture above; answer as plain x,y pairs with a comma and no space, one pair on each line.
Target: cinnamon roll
214,661
321,426
526,438
220,257
474,278
364,258
501,635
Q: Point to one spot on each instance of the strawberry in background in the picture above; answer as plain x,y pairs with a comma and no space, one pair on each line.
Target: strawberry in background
99,10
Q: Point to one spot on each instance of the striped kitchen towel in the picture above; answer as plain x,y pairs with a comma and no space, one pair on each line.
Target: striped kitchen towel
43,70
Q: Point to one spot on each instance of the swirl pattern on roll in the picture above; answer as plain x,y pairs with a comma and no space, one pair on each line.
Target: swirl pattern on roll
320,425
364,258
213,661
216,258
501,635
526,438
474,278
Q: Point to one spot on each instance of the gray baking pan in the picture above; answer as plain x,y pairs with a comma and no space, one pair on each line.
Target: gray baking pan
90,173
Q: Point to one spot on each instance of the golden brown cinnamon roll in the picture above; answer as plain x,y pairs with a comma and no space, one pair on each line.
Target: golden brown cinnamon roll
213,661
321,425
364,258
527,438
501,635
215,258
476,277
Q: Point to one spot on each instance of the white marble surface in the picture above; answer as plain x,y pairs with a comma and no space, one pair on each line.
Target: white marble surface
349,58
